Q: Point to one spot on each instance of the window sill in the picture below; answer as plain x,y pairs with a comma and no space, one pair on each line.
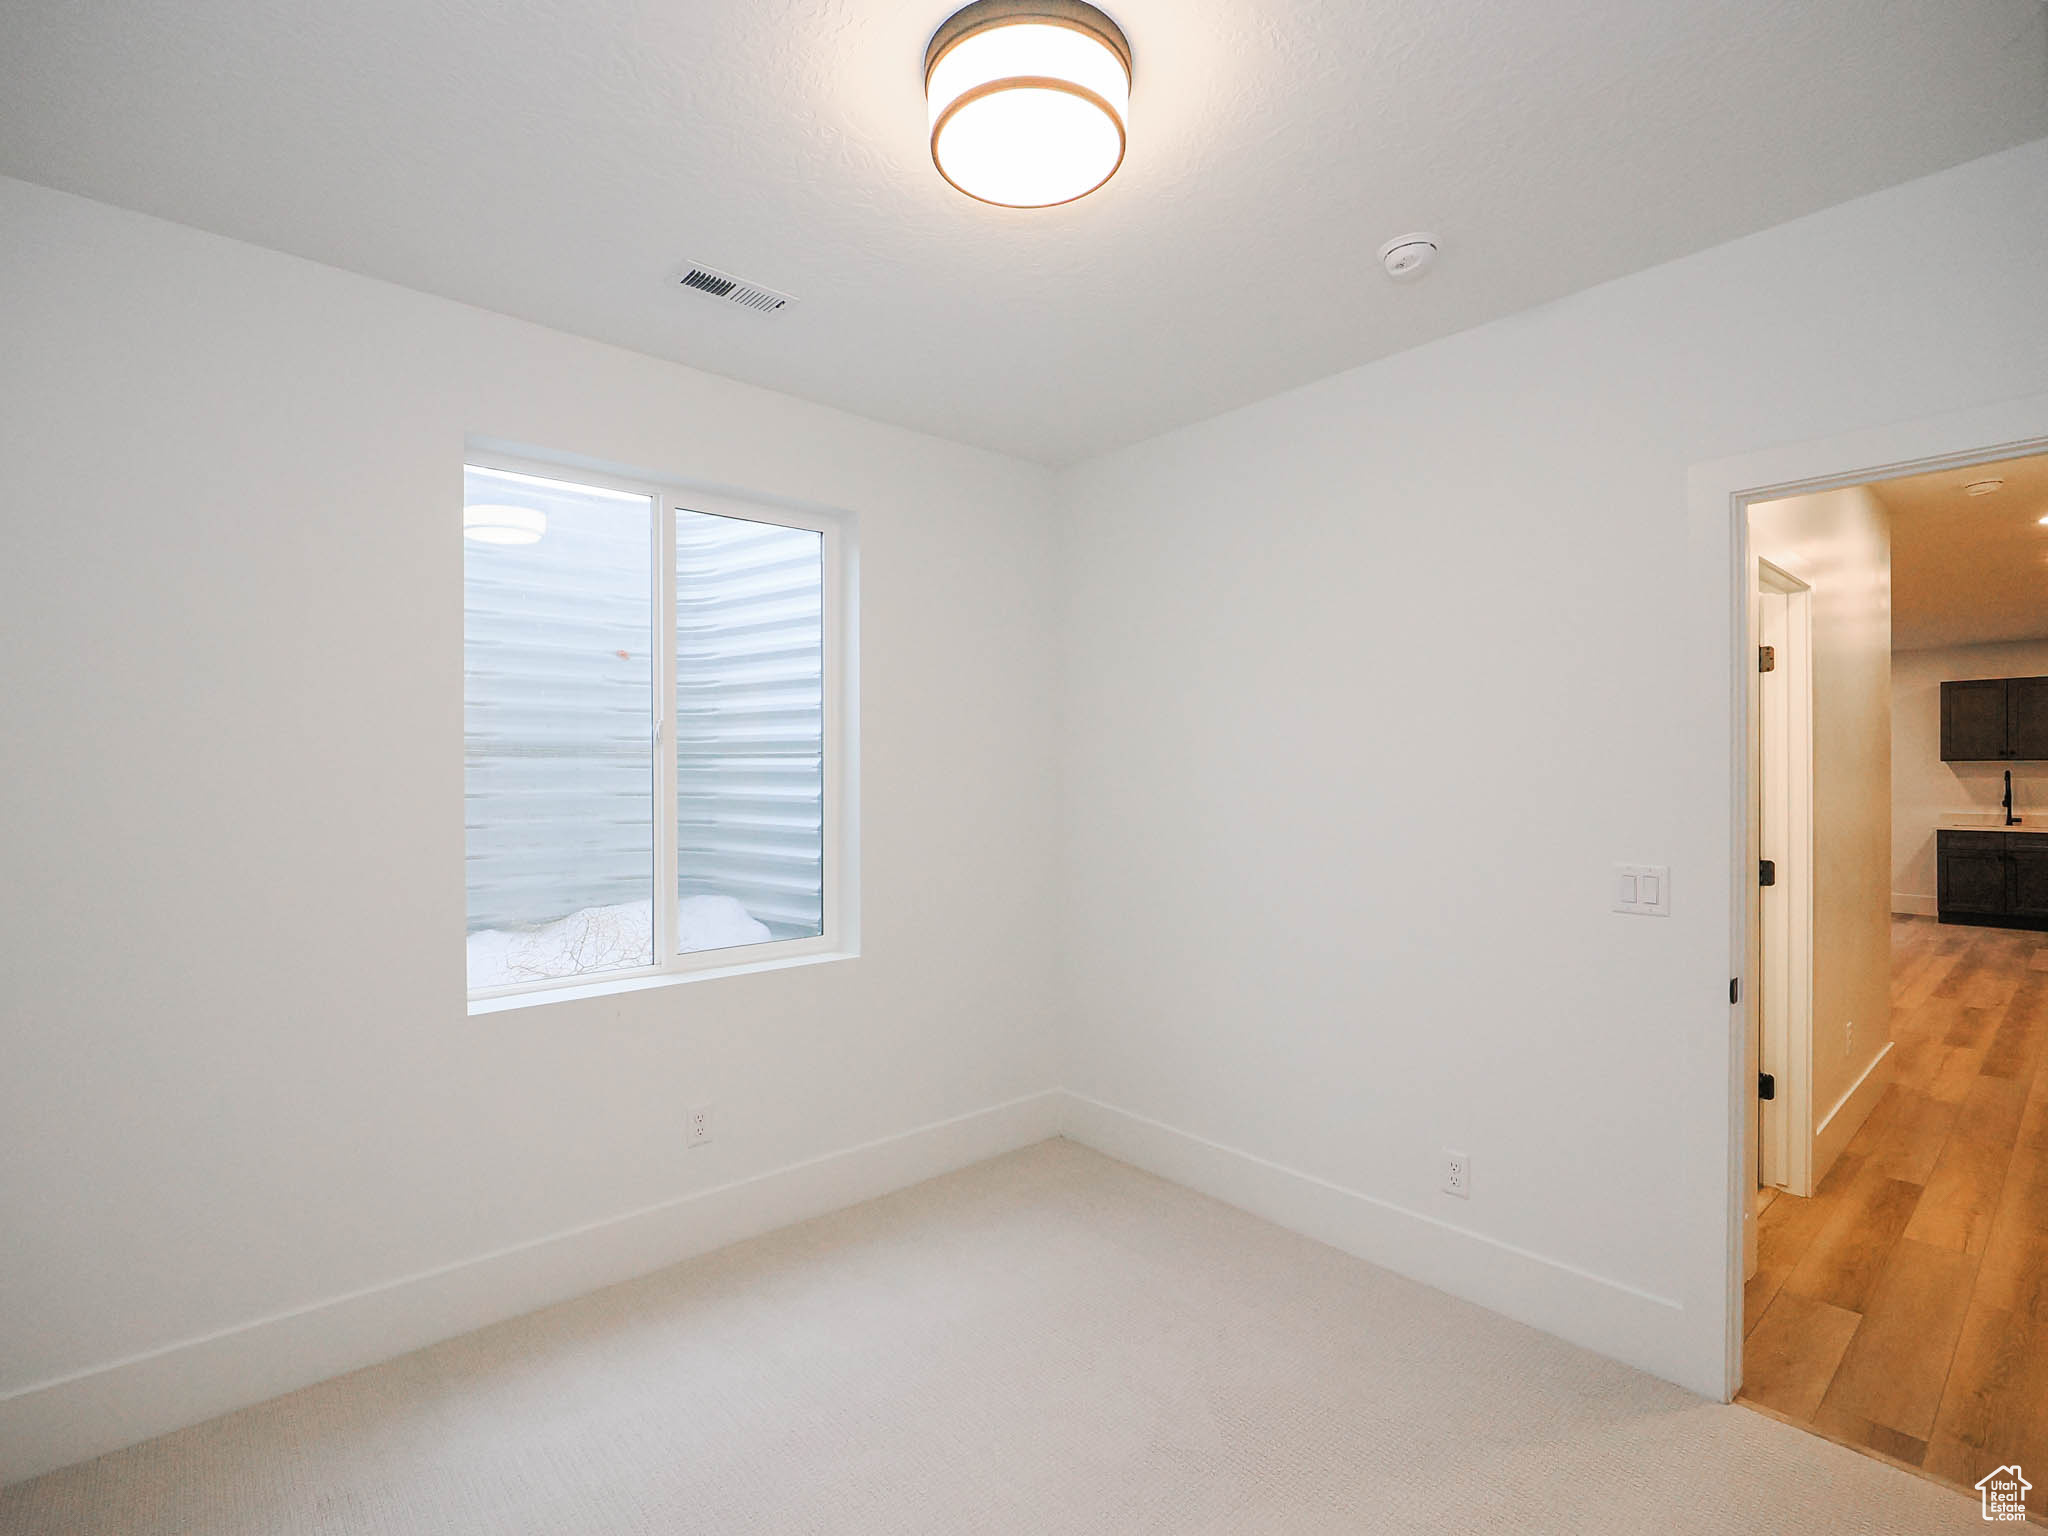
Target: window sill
623,984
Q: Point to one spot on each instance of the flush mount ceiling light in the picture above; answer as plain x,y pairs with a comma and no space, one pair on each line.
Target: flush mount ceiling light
1028,100
503,525
1983,487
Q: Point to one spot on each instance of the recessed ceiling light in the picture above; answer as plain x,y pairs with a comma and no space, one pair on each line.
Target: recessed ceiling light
491,524
1983,487
1028,100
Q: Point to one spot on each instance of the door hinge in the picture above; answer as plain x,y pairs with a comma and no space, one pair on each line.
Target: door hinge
1766,1086
1766,871
1734,989
1767,658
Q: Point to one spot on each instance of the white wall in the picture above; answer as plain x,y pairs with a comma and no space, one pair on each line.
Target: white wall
1839,544
1368,686
1924,788
240,1079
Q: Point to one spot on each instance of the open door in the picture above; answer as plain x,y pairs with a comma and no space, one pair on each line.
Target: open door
1782,912
1774,883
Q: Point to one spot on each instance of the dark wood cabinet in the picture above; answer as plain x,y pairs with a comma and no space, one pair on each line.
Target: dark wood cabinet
2026,717
1987,720
1972,881
2029,878
1972,721
1993,879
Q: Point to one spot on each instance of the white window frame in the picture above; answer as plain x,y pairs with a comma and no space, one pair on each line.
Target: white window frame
838,939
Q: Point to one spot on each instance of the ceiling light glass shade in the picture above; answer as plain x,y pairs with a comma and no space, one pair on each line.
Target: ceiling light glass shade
503,525
1028,100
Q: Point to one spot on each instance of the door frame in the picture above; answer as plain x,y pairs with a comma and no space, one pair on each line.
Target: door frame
1719,495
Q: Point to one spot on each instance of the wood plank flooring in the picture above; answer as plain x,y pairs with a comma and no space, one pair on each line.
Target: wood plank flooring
1904,1308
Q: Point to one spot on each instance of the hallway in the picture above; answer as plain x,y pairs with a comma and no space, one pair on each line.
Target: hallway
1904,1308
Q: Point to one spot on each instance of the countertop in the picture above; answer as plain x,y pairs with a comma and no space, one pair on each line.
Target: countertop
2038,824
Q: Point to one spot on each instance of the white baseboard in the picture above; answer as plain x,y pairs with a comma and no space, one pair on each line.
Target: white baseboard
1905,904
1850,1111
1607,1316
55,1423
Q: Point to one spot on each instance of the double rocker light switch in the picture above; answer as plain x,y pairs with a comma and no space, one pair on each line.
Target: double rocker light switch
1644,889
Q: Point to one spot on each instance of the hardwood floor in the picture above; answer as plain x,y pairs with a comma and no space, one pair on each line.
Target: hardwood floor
1904,1308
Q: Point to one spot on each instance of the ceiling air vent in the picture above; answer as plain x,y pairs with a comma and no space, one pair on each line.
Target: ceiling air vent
723,285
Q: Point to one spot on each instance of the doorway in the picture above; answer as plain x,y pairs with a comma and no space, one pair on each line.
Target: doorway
1895,1289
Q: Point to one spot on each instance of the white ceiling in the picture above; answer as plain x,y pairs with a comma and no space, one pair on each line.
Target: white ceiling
561,159
1969,570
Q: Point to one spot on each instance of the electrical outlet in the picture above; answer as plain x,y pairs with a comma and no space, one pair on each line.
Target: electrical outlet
698,1130
1457,1174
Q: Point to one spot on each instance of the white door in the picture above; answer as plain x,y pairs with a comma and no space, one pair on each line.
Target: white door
1774,910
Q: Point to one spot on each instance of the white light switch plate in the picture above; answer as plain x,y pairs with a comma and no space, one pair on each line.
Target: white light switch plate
1642,889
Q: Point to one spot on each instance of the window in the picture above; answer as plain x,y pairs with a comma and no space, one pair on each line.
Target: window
650,775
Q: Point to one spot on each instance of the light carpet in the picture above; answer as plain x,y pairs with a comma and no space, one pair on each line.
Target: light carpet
1048,1342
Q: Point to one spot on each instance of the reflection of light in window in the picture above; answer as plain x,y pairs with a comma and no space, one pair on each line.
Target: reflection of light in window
493,524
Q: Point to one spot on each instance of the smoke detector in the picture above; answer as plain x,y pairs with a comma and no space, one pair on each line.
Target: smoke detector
734,290
1984,487
1407,256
